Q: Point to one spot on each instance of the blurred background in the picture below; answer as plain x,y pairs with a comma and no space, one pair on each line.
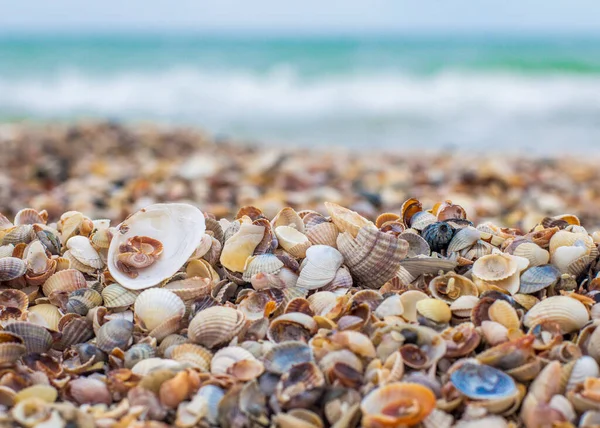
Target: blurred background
379,73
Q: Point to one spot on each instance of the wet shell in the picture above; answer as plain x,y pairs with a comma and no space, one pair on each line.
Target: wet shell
373,257
320,267
438,235
12,347
36,338
215,326
397,404
241,246
264,263
117,333
435,310
116,296
323,234
537,278
293,241
11,268
536,255
178,227
569,313
156,305
481,382
346,220
65,280
464,238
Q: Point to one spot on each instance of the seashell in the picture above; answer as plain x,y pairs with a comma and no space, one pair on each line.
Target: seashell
346,220
537,278
464,238
373,257
12,347
461,340
116,296
292,326
6,250
71,223
564,238
215,326
288,217
11,268
89,391
82,249
422,347
48,313
583,368
240,246
189,288
301,386
238,362
451,286
391,306
157,305
409,302
499,272
193,355
384,218
293,241
19,234
320,267
502,312
482,382
137,353
82,300
264,263
11,298
31,412
178,227
46,393
117,333
283,356
35,338
30,216
65,280
323,234
435,310
416,244
397,404
74,329
536,255
569,313
564,256
463,306
438,235
76,264
149,365
421,265
421,220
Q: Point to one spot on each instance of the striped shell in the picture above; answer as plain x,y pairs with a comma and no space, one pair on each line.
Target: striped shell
11,268
215,326
569,313
65,280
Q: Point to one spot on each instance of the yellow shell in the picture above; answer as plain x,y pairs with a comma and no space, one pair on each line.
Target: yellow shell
346,220
434,309
409,302
502,312
241,246
294,242
46,393
49,313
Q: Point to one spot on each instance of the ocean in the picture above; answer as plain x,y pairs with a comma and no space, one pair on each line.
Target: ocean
497,93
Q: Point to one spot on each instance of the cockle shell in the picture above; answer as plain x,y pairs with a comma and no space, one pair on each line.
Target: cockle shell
240,246
30,216
397,404
12,347
11,268
434,309
320,266
464,238
323,234
283,356
36,338
463,306
288,217
346,220
502,312
82,300
564,238
67,280
536,255
195,355
179,227
373,257
537,278
569,313
416,244
215,325
82,249
264,263
499,271
157,305
116,296
48,313
117,333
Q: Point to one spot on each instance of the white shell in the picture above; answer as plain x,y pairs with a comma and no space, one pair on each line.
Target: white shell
82,250
568,312
157,305
320,266
179,227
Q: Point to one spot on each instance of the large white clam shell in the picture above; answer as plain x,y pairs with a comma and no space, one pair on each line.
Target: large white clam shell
179,227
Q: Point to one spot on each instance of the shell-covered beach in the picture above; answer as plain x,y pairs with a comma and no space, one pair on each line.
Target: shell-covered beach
155,277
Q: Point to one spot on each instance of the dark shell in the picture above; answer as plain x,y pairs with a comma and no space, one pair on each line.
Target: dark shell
438,235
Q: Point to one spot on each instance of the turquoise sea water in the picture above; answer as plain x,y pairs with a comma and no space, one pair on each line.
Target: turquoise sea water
538,93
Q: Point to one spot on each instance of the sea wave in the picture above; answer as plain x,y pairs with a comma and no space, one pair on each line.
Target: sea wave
462,108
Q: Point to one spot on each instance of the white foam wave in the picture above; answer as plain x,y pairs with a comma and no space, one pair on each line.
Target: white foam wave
384,108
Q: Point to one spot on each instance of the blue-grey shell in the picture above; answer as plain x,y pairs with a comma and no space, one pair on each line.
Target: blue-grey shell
282,357
537,278
438,235
481,382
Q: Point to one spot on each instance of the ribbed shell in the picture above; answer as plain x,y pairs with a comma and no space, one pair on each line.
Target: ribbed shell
75,329
416,244
189,288
537,278
156,305
215,326
569,313
137,353
67,280
323,234
11,268
464,238
320,266
82,300
195,355
116,296
282,357
12,347
49,313
534,253
438,235
373,257
36,338
227,357
115,334
346,220
264,263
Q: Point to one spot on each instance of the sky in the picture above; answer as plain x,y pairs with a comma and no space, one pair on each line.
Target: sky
306,16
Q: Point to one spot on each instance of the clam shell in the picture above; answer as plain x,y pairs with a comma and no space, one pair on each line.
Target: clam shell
74,329
195,355
11,298
564,238
137,353
536,255
320,267
65,280
373,257
48,313
435,310
36,338
583,368
481,382
346,220
116,296
569,313
156,305
264,263
464,238
323,234
292,240
215,326
502,312
12,347
288,217
82,249
240,246
117,333
82,300
537,278
391,306
11,268
282,357
19,234
225,358
563,257
463,306
179,227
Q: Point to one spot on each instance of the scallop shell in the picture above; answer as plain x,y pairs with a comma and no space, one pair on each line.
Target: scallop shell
11,268
373,257
435,310
536,255
74,329
502,312
499,271
156,305
537,278
215,326
323,234
569,313
179,227
346,220
67,280
116,296
30,216
36,338
320,267
293,241
19,234
464,238
264,263
397,404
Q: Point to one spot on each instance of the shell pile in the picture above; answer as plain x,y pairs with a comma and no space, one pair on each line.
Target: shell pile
414,318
